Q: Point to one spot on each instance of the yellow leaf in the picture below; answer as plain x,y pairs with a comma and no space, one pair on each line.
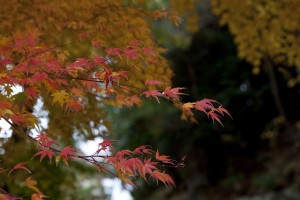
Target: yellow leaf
57,159
188,105
66,162
2,75
60,97
6,111
30,183
124,178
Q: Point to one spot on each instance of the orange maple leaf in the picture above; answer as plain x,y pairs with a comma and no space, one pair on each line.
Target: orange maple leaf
163,177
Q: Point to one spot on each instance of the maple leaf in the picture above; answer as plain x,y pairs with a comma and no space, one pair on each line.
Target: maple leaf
77,92
43,153
105,144
116,75
163,158
130,165
124,178
163,177
60,97
187,113
173,93
204,105
186,107
148,167
114,52
45,141
135,99
145,149
214,116
106,76
130,53
152,93
39,77
75,105
30,183
19,166
222,110
31,93
122,100
99,60
67,152
18,119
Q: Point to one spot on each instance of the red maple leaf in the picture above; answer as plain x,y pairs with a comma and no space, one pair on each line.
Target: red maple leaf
117,75
105,144
107,78
17,119
148,167
67,152
113,52
204,105
45,141
31,92
214,116
143,150
43,153
20,166
173,93
99,60
39,77
130,53
164,159
152,93
163,177
222,110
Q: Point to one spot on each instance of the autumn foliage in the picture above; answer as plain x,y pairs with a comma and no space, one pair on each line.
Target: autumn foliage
72,85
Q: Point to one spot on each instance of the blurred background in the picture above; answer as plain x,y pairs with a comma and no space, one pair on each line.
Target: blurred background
244,54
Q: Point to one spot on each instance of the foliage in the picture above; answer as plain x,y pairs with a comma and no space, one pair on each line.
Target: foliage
119,64
271,25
